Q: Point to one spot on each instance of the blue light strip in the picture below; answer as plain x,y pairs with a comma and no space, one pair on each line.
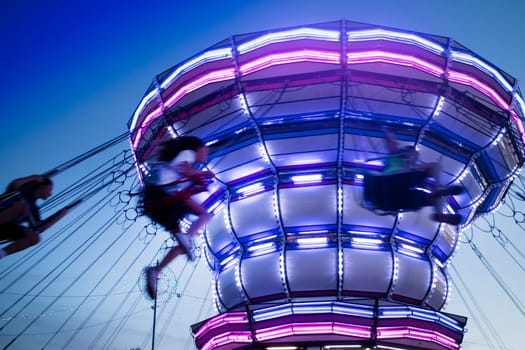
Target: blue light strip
306,308
421,314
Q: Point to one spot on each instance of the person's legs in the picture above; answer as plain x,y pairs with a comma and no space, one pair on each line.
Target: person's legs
451,219
171,223
201,212
168,216
438,215
152,272
26,238
169,257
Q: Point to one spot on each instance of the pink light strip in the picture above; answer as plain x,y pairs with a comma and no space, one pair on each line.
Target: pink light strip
221,320
290,57
389,57
228,338
313,328
465,79
212,77
417,333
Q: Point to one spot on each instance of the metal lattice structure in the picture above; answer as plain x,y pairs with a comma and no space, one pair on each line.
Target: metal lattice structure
294,118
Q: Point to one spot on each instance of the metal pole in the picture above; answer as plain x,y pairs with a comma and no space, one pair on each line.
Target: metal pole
154,313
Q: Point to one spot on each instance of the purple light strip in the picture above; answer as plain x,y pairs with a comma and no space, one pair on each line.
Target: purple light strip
209,78
394,58
228,338
417,333
221,320
329,57
316,56
313,328
229,73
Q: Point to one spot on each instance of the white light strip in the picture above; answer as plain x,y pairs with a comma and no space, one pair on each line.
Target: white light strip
312,241
145,100
439,107
412,248
476,62
304,179
288,35
264,246
362,240
374,34
251,189
207,56
408,252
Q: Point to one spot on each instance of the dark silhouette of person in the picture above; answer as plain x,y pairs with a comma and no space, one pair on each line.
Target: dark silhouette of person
401,185
168,198
20,222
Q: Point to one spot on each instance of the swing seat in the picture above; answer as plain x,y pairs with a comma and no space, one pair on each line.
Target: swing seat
388,194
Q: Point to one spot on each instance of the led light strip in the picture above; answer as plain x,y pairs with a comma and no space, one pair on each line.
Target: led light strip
221,320
289,35
376,34
417,333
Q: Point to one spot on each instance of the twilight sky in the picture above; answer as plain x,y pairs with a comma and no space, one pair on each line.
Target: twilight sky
74,71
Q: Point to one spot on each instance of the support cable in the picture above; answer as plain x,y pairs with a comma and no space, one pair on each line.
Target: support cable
175,307
99,282
478,312
99,232
506,289
84,246
93,192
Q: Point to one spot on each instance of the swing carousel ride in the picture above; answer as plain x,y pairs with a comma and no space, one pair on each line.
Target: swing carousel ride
294,119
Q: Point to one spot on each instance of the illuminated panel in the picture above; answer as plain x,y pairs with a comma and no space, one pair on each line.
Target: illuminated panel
373,281
253,214
411,267
263,284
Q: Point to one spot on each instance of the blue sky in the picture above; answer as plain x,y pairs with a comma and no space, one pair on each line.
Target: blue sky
74,71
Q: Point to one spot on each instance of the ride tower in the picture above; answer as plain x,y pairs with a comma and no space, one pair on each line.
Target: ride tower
294,119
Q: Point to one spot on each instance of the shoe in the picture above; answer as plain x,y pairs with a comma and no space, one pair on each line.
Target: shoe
454,190
187,243
451,219
449,190
151,282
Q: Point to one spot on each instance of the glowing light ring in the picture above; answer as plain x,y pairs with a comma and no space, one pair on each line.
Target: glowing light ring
268,325
320,57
